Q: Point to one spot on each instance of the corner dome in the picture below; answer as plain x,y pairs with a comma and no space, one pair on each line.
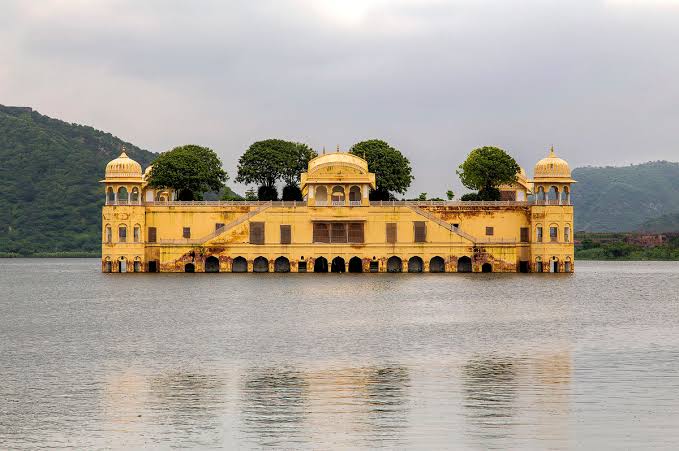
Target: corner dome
552,167
339,159
123,167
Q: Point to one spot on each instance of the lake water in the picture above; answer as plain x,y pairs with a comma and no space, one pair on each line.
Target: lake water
507,361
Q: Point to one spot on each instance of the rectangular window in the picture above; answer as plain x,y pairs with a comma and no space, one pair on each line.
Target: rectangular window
356,232
490,231
567,234
256,233
186,233
109,234
420,231
338,232
286,234
553,233
152,235
122,234
524,235
218,225
391,232
136,234
321,232
538,231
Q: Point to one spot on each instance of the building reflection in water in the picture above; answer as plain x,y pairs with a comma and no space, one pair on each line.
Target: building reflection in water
285,408
182,409
522,399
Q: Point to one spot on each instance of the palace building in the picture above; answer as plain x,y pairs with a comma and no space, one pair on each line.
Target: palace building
337,228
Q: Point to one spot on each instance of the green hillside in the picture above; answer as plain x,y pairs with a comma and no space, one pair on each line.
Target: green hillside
663,224
619,199
50,201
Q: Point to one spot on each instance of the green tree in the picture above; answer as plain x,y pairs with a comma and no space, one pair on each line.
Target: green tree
251,194
191,170
393,173
422,196
485,169
450,194
267,162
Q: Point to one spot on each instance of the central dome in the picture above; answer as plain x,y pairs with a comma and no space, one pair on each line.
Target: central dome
123,167
338,159
552,167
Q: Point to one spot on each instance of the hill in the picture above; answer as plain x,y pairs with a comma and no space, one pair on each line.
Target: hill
51,199
620,199
663,224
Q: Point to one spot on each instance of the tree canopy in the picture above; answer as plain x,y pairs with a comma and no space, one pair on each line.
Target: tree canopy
485,169
393,173
266,162
191,170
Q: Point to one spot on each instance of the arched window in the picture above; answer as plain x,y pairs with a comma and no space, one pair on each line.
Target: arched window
538,264
553,194
122,234
134,197
567,265
566,196
355,194
553,232
122,194
338,195
108,265
541,193
538,233
108,234
321,195
567,233
110,195
136,234
137,264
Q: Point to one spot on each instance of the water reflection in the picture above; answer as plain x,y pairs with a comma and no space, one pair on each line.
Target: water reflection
182,408
504,394
285,407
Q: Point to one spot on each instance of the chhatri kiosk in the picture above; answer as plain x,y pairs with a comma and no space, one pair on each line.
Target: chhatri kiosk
337,228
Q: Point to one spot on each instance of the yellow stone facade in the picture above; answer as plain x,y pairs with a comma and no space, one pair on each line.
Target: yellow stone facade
337,228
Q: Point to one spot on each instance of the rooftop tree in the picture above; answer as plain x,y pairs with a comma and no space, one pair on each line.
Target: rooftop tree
191,170
266,162
393,173
485,169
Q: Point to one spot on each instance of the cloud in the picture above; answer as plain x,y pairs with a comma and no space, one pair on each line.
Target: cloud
435,78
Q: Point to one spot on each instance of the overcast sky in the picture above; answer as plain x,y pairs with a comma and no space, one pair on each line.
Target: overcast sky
598,79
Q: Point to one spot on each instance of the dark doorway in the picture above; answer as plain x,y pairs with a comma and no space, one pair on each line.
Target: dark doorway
189,267
338,265
153,267
240,264
554,265
301,266
281,264
108,265
523,266
355,265
321,265
122,265
437,264
212,264
415,264
137,266
487,267
464,264
261,264
374,266
394,264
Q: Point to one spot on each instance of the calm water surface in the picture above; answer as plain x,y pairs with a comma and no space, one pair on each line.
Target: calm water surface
91,360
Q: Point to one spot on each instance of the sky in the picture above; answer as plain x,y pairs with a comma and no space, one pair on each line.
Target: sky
597,79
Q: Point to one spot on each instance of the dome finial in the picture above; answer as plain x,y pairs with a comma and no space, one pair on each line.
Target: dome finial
551,152
122,152
337,147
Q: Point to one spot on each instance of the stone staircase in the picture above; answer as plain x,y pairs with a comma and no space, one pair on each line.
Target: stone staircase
443,223
223,229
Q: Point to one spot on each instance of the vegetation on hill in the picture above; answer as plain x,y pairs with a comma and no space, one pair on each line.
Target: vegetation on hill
623,198
50,199
662,224
614,247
